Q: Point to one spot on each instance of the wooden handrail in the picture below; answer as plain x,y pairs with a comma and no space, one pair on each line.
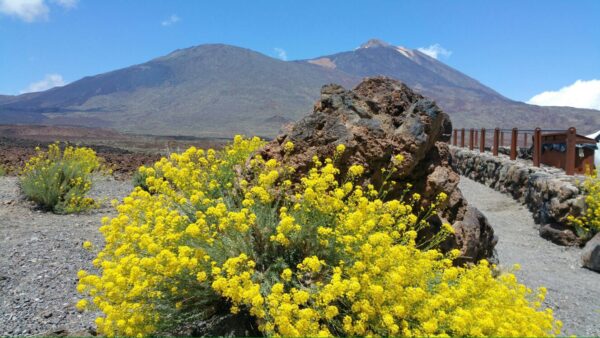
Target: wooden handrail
477,139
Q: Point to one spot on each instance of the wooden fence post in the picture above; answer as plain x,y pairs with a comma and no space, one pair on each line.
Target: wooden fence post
502,139
537,147
462,138
571,151
476,143
513,144
496,140
525,141
482,141
471,134
455,135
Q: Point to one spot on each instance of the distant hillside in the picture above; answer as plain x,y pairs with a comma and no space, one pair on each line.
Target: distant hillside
209,90
469,103
219,90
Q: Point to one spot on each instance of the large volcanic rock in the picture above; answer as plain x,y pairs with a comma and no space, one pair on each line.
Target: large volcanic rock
381,118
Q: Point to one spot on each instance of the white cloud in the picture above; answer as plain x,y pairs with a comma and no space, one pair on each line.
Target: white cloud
49,81
26,10
281,53
435,51
32,10
581,94
173,19
68,4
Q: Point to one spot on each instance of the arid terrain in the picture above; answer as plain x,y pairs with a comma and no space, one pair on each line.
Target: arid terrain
123,153
41,252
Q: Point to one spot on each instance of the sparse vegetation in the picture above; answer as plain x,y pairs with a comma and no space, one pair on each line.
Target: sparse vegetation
3,171
314,258
588,224
58,180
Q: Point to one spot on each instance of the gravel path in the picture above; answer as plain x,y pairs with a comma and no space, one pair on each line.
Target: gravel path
40,254
573,291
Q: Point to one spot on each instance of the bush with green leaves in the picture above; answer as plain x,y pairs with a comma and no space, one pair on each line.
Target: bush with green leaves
58,180
139,180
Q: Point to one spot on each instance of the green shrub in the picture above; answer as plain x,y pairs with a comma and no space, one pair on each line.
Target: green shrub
2,171
59,180
139,180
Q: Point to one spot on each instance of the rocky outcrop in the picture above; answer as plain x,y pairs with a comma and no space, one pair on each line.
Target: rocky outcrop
591,254
377,120
549,193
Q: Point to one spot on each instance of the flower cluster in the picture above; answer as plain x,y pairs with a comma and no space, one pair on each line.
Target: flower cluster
58,180
318,257
588,223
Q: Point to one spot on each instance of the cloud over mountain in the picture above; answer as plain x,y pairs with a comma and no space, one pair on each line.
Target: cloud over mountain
49,81
435,51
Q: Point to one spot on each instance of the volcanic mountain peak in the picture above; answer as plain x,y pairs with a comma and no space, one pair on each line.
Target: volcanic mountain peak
374,43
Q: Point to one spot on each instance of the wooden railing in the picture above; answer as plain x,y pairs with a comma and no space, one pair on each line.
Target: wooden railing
477,139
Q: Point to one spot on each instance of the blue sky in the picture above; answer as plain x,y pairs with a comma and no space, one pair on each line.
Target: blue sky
520,48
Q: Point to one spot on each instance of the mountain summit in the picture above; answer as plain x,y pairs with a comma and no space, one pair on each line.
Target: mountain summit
218,90
374,43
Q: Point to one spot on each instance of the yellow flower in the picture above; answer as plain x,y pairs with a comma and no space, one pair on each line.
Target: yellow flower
298,258
82,304
288,147
356,170
286,275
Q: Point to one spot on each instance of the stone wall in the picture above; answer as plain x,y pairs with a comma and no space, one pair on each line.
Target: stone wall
548,192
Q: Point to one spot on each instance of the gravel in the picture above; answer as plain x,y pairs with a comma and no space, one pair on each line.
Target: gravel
40,254
573,291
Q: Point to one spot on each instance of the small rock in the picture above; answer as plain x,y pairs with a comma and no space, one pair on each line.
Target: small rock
559,234
591,254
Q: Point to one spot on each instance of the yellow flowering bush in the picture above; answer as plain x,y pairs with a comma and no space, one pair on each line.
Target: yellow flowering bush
318,257
58,180
588,223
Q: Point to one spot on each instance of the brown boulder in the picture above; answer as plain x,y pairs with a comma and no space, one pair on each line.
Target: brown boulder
377,120
590,256
559,234
475,237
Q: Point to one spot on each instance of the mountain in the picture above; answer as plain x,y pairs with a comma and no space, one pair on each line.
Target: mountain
217,90
469,103
211,90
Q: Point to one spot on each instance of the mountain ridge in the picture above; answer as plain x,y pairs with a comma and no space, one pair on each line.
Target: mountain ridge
217,90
